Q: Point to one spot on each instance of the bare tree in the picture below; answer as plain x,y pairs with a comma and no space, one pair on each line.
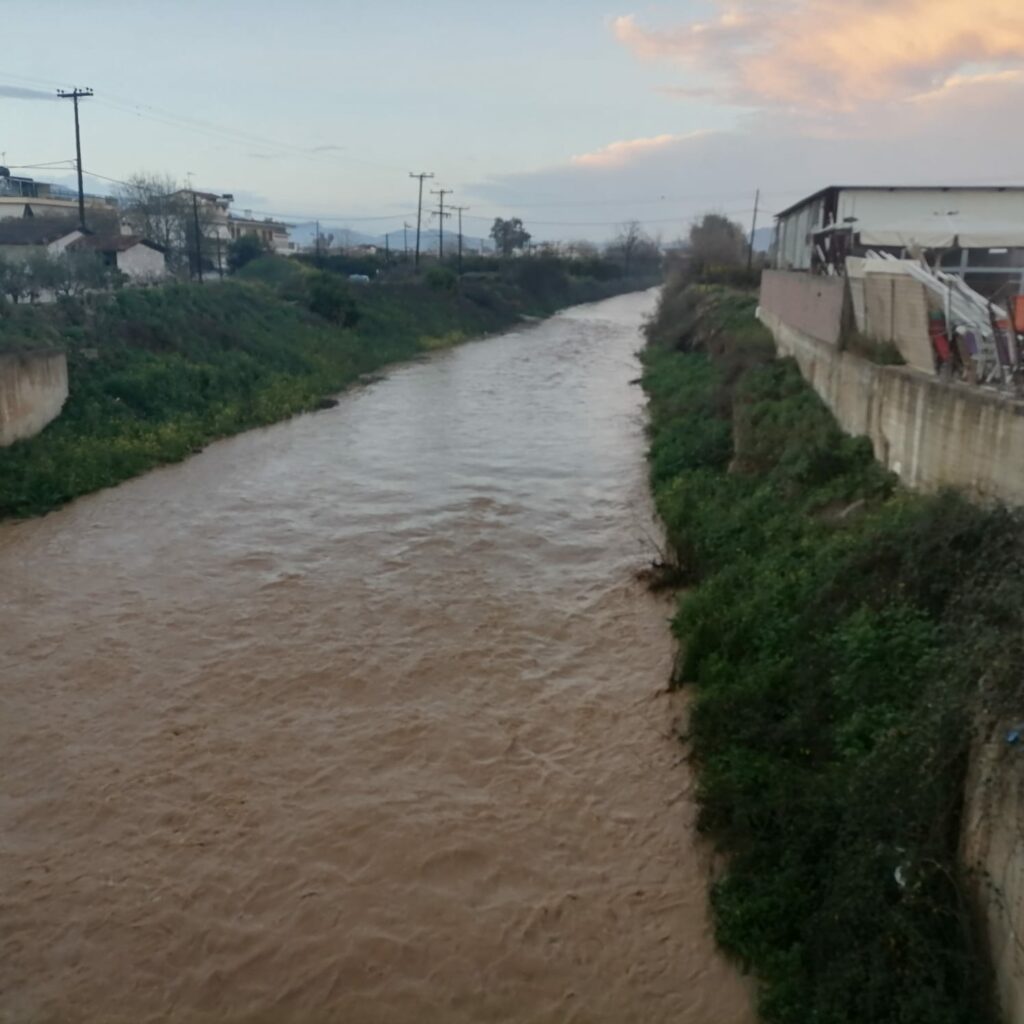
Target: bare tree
581,249
154,207
161,209
633,248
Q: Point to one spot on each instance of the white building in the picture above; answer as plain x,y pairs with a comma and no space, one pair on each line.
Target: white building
20,238
141,261
272,233
25,197
976,231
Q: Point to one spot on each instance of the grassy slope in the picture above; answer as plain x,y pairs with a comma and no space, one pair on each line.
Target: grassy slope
155,374
838,660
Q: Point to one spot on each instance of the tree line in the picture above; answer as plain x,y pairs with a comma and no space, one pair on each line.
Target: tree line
64,274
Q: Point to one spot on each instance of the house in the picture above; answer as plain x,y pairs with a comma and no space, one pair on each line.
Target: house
975,232
25,197
139,259
21,237
272,233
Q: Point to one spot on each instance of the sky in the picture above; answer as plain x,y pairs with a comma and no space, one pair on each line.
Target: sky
576,115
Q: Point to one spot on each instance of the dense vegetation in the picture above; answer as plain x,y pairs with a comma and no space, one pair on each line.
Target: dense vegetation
157,373
842,637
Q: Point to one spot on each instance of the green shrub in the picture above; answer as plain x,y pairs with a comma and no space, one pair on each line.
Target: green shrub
441,279
330,298
836,642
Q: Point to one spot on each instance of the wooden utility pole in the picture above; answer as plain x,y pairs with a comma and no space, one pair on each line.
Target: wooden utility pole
460,210
75,95
419,211
405,235
199,246
753,231
441,193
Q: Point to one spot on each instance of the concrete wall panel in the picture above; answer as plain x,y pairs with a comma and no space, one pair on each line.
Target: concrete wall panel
33,389
811,304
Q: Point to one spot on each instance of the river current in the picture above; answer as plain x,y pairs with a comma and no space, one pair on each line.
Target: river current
361,718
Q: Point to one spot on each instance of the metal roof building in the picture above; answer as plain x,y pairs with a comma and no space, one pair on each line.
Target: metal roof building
977,230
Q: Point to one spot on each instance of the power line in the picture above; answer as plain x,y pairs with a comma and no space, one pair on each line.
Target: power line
609,223
339,218
224,133
54,165
419,209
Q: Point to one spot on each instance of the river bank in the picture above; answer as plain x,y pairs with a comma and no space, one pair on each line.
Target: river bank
843,637
156,374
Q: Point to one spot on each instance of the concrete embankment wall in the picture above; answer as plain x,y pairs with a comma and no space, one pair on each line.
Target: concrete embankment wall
932,434
33,389
993,850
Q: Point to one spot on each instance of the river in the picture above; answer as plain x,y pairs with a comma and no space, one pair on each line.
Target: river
360,718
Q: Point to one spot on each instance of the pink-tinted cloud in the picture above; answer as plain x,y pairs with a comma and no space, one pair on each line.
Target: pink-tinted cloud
616,154
822,55
958,137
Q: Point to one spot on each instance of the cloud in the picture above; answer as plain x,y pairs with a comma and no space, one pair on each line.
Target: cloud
618,153
667,185
827,56
955,85
14,92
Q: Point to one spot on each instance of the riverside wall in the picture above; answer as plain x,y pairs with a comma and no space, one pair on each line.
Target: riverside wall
33,389
932,434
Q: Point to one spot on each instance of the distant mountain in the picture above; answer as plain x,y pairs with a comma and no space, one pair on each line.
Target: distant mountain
763,238
305,234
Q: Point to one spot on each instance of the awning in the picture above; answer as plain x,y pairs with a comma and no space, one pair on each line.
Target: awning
907,237
1006,238
974,235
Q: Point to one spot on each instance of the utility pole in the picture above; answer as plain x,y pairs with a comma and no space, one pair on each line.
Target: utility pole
442,192
753,231
405,234
387,249
419,211
199,247
460,210
75,95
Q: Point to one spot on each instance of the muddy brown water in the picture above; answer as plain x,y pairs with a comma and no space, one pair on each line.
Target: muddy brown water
358,718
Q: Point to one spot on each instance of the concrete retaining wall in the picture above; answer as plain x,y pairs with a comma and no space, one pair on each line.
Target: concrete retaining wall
993,849
933,434
811,304
930,433
33,389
